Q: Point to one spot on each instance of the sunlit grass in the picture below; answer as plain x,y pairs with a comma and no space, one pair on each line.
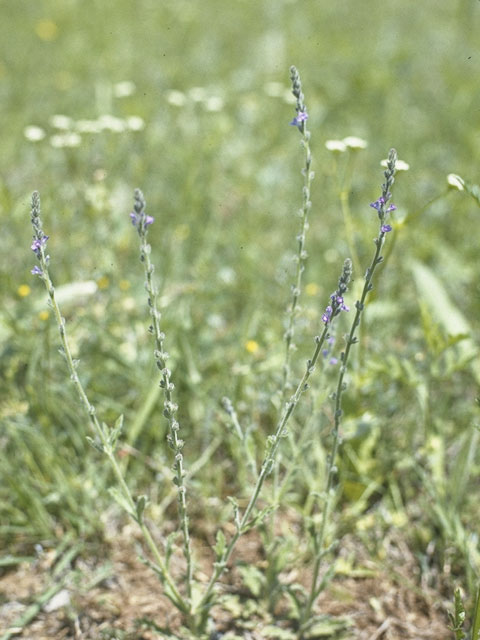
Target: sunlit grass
193,103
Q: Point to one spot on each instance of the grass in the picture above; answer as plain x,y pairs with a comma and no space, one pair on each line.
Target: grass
221,170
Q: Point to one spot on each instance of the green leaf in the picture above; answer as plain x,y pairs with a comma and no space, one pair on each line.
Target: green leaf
432,291
476,618
253,578
277,633
142,502
95,444
473,190
115,432
258,519
458,617
327,627
122,501
220,545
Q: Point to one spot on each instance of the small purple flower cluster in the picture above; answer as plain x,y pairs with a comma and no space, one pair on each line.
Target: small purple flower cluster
302,116
325,352
335,308
300,107
39,241
141,218
337,302
380,206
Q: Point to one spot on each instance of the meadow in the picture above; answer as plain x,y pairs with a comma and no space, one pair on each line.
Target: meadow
350,511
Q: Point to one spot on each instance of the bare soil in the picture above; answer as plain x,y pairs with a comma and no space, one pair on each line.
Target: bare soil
118,596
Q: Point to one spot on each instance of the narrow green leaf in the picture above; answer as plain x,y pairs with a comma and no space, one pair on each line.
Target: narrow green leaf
122,501
220,545
432,290
476,618
142,502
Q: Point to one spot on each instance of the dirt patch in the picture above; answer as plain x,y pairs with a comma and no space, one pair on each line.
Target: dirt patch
118,596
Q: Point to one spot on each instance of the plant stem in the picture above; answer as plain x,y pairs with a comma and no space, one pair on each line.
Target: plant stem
266,467
102,435
341,386
301,256
170,407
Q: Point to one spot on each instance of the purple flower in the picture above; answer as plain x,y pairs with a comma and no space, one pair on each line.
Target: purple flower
327,315
302,116
138,218
333,360
385,228
38,243
392,207
378,203
36,271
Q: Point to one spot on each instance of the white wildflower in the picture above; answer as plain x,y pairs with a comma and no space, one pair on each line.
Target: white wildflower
456,182
177,98
88,126
34,133
214,103
352,142
400,165
336,145
69,139
124,89
112,123
61,122
135,123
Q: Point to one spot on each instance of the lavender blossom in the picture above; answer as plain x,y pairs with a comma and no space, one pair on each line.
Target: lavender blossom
39,241
301,109
381,204
337,303
301,117
139,218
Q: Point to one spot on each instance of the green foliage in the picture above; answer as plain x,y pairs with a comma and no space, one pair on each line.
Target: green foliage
224,186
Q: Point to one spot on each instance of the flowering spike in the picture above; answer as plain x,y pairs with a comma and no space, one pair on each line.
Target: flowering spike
301,109
139,218
337,301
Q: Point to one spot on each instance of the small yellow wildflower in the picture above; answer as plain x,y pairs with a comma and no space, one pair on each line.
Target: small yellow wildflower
124,285
103,282
251,346
46,30
312,289
43,315
24,290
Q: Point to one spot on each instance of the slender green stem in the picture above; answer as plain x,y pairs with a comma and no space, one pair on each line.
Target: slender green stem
349,229
300,259
274,442
341,386
102,435
170,407
240,433
301,255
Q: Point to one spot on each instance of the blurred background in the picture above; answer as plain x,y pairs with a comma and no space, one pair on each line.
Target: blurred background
191,102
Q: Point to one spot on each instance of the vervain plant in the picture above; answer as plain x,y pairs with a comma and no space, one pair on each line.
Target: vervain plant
192,599
383,209
273,546
299,121
458,618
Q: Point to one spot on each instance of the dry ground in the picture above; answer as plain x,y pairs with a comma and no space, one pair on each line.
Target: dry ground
109,597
